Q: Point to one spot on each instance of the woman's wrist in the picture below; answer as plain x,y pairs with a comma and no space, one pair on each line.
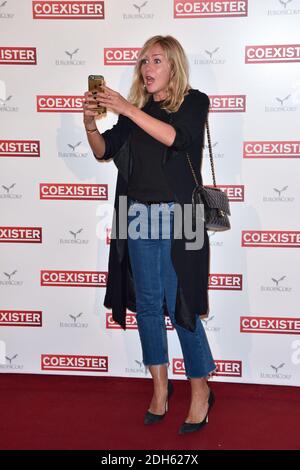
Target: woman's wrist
130,111
89,125
91,131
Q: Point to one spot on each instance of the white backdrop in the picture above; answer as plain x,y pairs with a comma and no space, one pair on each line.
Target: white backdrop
56,199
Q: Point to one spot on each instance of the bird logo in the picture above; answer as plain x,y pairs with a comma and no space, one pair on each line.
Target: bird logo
73,147
10,359
7,188
139,7
5,100
277,368
278,280
11,274
284,3
207,320
3,4
76,233
206,146
74,317
212,52
70,54
282,100
279,191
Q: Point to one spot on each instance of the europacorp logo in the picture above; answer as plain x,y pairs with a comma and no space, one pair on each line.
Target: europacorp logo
280,194
8,191
210,324
74,237
277,284
284,7
137,367
6,11
11,360
70,58
73,150
212,55
217,153
277,371
10,279
138,11
284,102
74,321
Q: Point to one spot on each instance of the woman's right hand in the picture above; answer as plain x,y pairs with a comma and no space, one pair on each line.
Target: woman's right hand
89,113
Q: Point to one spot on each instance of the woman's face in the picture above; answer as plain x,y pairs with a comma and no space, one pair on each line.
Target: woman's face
155,70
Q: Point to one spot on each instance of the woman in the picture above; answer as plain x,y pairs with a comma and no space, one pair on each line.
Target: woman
162,119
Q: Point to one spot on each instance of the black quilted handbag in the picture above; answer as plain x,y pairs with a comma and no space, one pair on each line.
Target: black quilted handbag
215,201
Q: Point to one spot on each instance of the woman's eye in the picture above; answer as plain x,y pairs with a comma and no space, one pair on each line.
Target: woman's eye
157,61
144,61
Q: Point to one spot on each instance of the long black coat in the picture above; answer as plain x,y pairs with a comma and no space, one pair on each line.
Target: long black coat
191,266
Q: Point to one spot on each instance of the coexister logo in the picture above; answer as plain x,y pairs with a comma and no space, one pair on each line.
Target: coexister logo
73,278
271,149
21,234
235,193
59,104
20,318
227,103
225,282
68,10
210,9
72,362
270,325
18,55
224,368
131,323
272,54
19,148
121,55
271,238
57,191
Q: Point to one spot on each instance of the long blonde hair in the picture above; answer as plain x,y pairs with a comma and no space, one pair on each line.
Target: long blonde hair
179,77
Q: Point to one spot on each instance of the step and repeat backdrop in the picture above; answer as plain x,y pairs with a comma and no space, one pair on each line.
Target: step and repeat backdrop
56,200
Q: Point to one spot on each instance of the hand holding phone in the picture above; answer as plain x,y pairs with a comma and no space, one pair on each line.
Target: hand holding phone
96,83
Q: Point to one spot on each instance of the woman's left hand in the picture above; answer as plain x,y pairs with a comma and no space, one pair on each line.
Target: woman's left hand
113,101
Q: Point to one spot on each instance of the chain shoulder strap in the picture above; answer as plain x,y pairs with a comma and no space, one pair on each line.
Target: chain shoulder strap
210,158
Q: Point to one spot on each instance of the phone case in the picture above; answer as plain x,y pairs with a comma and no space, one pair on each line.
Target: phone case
96,83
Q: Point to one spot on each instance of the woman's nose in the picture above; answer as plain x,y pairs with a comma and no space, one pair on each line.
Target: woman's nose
148,67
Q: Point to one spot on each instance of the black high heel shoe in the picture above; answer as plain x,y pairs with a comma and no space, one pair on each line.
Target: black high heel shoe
151,418
192,427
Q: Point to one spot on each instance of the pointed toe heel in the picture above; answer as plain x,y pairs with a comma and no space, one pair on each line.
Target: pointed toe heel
151,418
186,428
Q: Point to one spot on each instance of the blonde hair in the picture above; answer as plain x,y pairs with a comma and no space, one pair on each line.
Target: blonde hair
179,75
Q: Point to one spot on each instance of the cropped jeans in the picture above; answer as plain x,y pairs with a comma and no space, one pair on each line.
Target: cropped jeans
149,246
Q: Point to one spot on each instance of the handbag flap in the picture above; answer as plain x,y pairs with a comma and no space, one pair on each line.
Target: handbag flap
215,199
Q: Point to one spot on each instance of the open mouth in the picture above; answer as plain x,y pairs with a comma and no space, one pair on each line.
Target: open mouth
149,80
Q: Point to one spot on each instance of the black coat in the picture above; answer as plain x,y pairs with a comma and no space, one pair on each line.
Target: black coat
191,266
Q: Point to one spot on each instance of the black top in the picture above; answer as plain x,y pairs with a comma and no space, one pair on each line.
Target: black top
150,181
187,122
191,266
147,181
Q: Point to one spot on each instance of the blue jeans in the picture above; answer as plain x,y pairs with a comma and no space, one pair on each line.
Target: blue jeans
155,277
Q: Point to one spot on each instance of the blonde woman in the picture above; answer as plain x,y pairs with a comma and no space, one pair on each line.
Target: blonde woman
162,119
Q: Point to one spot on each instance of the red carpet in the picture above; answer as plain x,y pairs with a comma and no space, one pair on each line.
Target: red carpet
77,413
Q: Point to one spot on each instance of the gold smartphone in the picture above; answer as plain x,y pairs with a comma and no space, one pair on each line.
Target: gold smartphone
96,83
